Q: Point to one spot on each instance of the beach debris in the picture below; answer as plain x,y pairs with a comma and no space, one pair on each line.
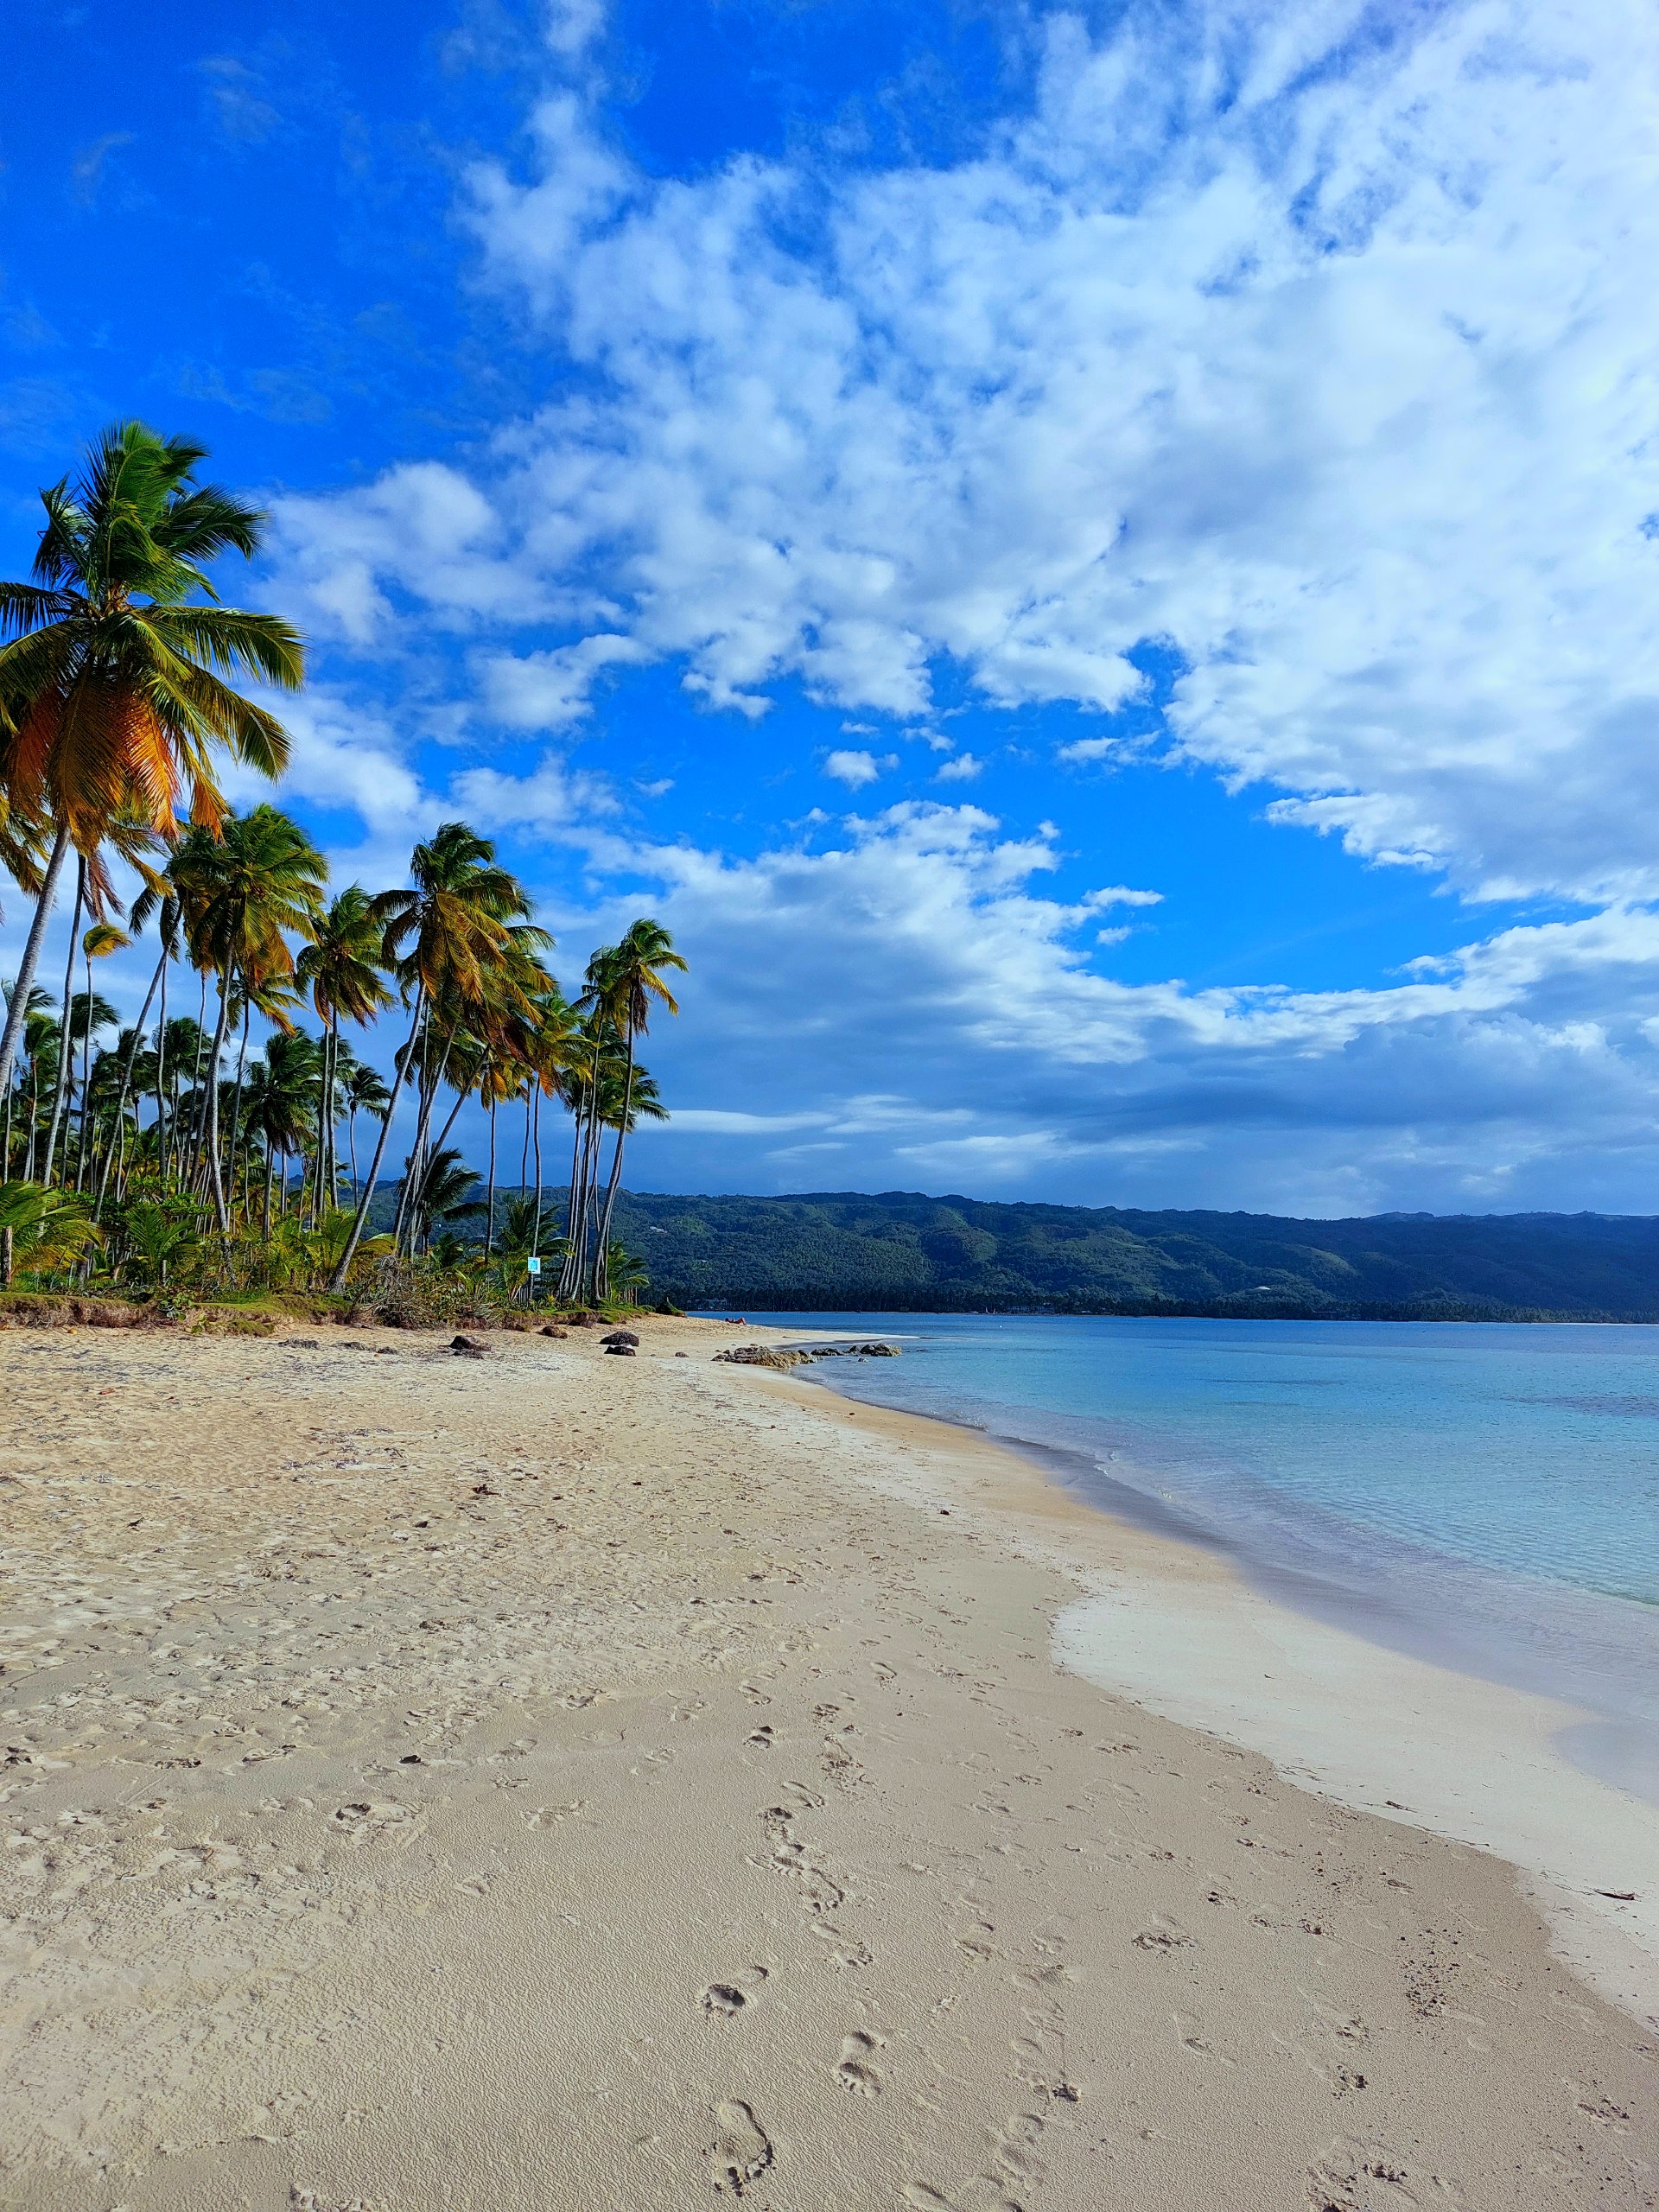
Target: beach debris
619,1337
550,1330
1618,1897
483,1489
468,1347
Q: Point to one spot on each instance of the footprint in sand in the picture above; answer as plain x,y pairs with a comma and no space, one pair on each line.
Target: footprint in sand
742,2149
855,2073
722,1997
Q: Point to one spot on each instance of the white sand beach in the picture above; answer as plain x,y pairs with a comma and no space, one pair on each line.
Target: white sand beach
549,1780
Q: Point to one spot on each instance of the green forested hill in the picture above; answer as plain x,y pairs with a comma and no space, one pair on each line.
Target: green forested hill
900,1252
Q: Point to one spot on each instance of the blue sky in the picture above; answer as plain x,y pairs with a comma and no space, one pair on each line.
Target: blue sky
1099,568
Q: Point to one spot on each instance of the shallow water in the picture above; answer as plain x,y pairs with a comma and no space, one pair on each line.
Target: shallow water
1488,1496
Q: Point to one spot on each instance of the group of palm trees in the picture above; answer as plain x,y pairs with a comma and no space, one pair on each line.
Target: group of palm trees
171,1150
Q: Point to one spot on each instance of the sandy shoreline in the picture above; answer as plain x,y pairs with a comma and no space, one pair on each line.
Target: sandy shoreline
1181,1628
547,1780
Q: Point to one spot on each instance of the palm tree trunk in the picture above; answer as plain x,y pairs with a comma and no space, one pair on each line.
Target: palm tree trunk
210,1111
86,1081
602,1268
127,1067
326,1176
590,1207
66,1043
33,1119
17,1012
270,1169
337,1280
417,1159
535,1124
161,1075
236,1095
489,1212
190,1141
570,1272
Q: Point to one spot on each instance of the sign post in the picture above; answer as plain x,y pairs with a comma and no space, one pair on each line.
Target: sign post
532,1269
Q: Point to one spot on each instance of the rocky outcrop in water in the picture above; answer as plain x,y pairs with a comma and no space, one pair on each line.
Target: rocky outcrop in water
786,1356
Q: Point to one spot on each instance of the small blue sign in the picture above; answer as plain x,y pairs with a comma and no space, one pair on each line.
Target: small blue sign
532,1267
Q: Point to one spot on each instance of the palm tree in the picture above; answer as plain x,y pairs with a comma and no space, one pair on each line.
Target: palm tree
242,890
281,1108
626,985
35,1004
341,967
445,1195
160,900
43,1046
112,702
46,1229
156,1239
445,938
364,1091
102,939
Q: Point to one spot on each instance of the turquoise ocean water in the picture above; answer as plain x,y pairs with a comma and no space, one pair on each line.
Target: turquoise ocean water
1486,1495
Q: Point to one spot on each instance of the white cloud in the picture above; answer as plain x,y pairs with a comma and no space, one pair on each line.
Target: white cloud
1119,894
1309,348
423,531
1521,1075
962,770
551,690
852,768
555,798
573,25
1309,345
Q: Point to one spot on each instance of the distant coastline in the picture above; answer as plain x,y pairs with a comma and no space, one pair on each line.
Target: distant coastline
906,1252
1262,1309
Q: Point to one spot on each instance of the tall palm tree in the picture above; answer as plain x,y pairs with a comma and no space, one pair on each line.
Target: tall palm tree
630,980
446,938
341,968
161,900
113,698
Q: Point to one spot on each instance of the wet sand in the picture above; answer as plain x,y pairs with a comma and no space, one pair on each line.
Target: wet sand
548,1780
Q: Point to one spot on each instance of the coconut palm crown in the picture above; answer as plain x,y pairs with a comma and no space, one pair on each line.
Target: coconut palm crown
113,701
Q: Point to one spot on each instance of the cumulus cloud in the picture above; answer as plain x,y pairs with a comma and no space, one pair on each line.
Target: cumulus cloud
1307,347
422,533
852,768
551,690
1518,1063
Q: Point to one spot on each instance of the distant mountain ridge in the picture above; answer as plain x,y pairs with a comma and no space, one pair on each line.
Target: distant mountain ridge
900,1251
